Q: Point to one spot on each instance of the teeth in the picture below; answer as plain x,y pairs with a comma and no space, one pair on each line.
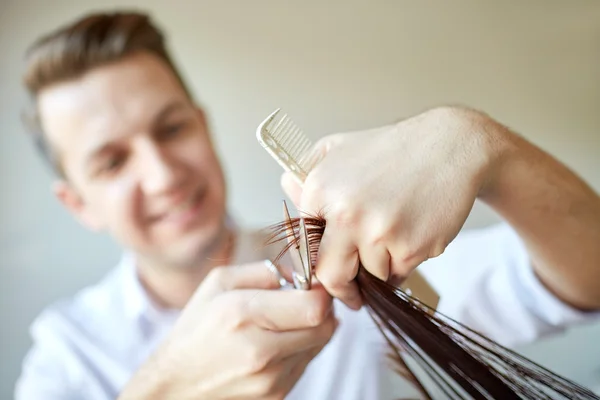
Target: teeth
184,205
181,207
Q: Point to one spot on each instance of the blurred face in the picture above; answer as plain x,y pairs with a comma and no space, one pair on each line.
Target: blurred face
138,160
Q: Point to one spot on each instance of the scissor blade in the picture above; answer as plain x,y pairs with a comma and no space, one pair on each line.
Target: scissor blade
304,251
298,274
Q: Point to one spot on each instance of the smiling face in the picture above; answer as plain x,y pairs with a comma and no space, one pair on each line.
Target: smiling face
138,159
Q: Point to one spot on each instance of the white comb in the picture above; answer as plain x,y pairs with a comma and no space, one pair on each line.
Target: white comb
288,145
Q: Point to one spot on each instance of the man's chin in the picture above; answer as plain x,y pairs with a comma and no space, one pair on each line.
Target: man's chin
197,252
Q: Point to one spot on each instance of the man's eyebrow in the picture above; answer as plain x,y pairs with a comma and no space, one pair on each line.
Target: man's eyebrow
168,109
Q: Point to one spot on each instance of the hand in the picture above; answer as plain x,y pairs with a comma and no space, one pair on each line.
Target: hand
394,196
238,338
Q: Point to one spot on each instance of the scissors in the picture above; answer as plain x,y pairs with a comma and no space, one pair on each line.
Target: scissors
300,253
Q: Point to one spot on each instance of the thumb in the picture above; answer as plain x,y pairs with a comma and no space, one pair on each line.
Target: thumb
291,188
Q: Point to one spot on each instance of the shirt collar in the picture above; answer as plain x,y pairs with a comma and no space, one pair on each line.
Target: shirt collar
137,304
136,300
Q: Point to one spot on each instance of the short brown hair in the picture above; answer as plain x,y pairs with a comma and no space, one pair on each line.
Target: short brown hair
72,50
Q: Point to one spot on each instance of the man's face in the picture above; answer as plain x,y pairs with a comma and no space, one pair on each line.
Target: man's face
138,159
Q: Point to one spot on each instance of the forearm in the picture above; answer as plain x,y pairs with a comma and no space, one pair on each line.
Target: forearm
553,211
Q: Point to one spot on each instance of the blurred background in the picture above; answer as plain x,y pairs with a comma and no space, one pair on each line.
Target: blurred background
334,66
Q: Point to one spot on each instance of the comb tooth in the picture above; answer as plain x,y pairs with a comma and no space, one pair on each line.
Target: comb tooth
297,136
297,147
283,130
289,143
288,137
308,162
296,143
301,153
272,125
293,139
276,130
302,147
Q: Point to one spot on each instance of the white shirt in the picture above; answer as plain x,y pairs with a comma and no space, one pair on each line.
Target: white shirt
88,346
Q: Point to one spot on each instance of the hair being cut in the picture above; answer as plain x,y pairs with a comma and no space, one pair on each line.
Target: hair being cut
75,49
452,361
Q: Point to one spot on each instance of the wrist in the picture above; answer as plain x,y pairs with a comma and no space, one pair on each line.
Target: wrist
151,381
500,148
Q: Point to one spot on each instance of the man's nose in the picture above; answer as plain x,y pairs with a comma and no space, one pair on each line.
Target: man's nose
160,172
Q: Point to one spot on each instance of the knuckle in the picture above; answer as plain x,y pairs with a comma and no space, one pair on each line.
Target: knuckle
380,235
412,252
257,358
231,312
405,259
447,112
388,229
326,278
437,249
265,387
345,212
217,277
335,283
407,254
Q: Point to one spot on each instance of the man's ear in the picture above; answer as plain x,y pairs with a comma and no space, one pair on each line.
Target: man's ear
68,196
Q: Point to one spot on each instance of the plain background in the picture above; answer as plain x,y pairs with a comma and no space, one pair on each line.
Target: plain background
334,66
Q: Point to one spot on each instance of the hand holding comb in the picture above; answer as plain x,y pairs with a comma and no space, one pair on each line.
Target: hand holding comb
294,152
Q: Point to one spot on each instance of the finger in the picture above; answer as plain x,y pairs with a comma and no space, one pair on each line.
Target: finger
280,376
285,268
401,266
291,188
290,185
295,366
282,310
257,275
282,270
326,143
337,266
300,341
376,259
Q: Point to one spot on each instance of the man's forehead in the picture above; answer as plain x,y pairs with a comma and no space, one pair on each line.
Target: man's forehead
107,103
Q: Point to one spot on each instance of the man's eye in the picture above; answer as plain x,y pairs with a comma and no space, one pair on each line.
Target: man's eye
112,164
173,130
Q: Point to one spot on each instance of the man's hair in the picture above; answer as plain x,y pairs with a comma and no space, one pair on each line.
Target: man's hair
73,50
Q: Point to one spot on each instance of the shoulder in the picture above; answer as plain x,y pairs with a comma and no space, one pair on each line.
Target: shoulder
62,334
87,311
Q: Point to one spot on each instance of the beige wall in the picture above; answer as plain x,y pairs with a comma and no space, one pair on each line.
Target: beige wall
345,65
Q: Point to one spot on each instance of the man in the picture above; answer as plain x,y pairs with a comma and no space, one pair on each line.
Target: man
190,312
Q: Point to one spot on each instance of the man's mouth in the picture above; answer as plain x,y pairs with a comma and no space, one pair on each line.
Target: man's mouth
184,210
